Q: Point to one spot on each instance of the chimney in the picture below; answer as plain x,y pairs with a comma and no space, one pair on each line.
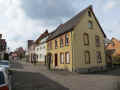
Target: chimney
60,26
46,31
30,42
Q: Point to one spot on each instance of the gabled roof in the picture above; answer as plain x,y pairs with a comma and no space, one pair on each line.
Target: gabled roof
42,36
70,24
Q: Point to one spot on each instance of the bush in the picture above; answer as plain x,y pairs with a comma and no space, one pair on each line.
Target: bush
116,60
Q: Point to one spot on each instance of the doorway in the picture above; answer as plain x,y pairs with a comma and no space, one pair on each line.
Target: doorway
56,60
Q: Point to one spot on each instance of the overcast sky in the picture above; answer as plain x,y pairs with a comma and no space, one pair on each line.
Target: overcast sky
21,20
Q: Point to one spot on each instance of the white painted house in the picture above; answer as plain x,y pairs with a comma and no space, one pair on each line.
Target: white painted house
41,47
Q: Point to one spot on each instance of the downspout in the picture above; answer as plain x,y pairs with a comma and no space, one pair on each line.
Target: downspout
73,69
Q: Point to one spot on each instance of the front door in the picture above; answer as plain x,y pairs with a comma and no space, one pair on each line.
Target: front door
56,61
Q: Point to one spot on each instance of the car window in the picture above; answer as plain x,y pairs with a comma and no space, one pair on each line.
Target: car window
2,78
3,63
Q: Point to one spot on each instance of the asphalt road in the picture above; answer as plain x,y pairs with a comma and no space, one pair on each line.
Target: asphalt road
30,77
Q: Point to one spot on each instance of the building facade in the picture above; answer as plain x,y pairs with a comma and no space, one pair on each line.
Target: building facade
114,47
3,47
78,44
41,47
31,51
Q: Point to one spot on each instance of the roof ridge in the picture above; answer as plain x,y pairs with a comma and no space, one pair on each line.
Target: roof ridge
68,25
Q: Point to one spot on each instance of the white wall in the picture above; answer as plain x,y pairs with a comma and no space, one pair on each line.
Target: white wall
41,50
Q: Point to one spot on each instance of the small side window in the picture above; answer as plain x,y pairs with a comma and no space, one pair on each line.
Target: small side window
87,57
90,24
86,39
97,39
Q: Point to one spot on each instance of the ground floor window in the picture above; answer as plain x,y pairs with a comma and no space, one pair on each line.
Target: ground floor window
67,57
87,57
61,58
99,58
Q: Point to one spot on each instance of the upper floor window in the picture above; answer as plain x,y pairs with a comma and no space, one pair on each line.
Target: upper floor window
87,57
61,42
56,44
99,58
67,57
90,25
66,40
89,14
86,39
61,58
50,45
97,40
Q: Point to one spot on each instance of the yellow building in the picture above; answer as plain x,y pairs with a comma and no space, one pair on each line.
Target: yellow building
78,44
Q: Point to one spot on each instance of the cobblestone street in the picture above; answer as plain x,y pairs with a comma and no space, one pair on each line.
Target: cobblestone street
30,77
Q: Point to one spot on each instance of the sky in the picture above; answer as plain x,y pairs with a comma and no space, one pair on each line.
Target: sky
22,20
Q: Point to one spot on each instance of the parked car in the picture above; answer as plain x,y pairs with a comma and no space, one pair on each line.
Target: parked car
5,81
5,64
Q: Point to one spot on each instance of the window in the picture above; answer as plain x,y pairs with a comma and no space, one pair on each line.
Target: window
44,47
97,39
90,25
89,14
86,39
50,45
67,58
61,42
99,58
56,44
87,57
37,49
66,39
61,58
40,56
2,78
113,44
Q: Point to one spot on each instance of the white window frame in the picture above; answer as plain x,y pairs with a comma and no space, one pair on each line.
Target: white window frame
67,57
61,58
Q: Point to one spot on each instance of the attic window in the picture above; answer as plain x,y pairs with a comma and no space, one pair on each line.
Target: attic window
89,14
90,25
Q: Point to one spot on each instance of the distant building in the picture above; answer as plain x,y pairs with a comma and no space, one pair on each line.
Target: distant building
31,51
109,52
20,52
41,47
3,47
114,45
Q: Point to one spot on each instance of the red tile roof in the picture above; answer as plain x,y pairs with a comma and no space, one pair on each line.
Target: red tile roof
115,45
